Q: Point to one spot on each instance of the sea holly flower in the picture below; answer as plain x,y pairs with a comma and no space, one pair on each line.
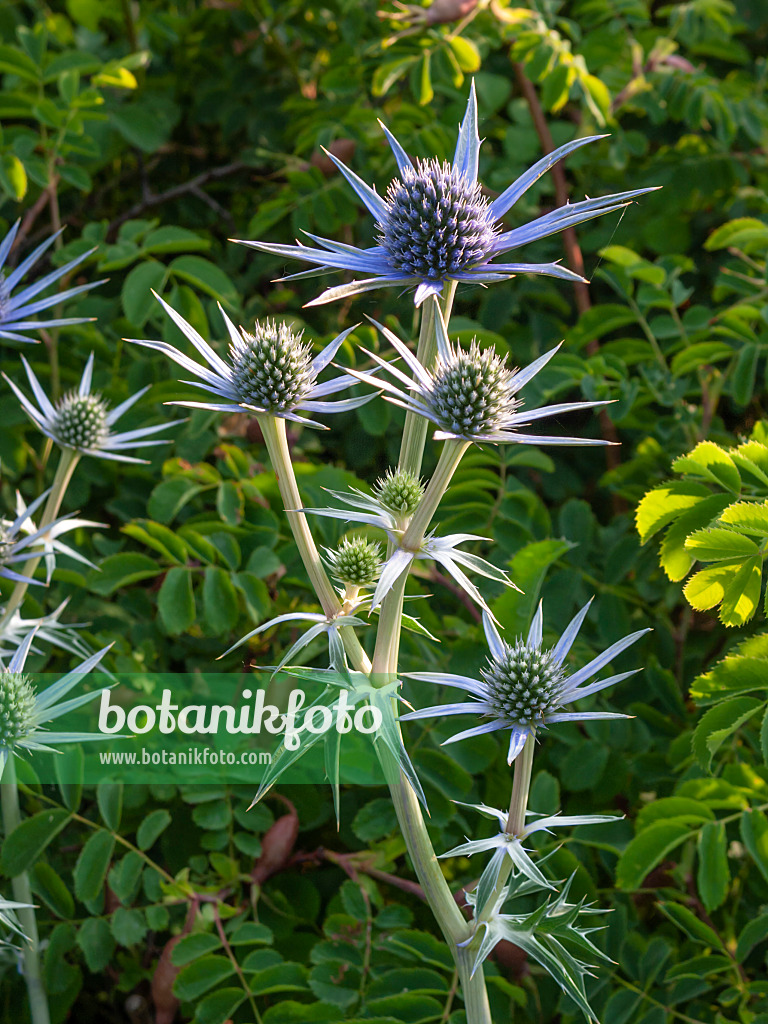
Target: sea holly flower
25,713
553,935
523,688
471,395
435,225
270,371
320,625
21,540
508,845
15,310
395,498
82,422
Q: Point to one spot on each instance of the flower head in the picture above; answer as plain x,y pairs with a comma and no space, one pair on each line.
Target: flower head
435,224
399,491
356,562
25,713
470,395
270,371
524,688
15,310
82,421
20,540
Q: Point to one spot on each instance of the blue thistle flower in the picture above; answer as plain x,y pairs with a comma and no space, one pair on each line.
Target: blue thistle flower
524,688
15,310
435,225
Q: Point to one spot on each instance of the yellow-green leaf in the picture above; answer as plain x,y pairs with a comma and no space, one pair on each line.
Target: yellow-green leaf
13,176
718,544
664,504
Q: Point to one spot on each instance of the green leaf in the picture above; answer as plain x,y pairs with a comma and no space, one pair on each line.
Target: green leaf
709,461
664,504
219,1006
687,921
92,865
151,828
675,559
170,497
52,890
752,933
159,538
206,277
426,92
128,926
95,940
718,543
747,517
220,604
466,53
385,75
702,354
13,176
125,876
193,947
136,295
764,737
528,569
69,766
719,723
744,373
742,233
28,840
176,601
118,571
229,503
170,238
688,811
15,62
754,833
714,877
647,850
735,583
109,797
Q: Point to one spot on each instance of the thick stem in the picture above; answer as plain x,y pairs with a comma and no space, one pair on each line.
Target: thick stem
415,429
66,467
521,787
22,893
273,429
448,463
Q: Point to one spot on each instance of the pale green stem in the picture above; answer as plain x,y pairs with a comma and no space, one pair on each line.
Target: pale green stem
518,805
273,429
22,893
415,429
66,467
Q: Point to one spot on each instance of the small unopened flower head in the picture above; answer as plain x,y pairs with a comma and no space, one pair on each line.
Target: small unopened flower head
524,683
271,368
17,703
80,421
438,222
471,393
356,562
400,491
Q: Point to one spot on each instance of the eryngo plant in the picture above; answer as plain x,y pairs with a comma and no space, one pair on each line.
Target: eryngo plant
435,228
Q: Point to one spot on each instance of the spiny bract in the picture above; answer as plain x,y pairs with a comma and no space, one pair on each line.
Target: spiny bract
438,221
524,684
400,491
471,393
271,368
81,421
17,702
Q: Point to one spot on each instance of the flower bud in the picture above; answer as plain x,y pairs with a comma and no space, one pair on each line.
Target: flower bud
17,703
80,421
356,562
399,491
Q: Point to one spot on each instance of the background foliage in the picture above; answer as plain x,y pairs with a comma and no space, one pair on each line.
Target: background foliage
157,130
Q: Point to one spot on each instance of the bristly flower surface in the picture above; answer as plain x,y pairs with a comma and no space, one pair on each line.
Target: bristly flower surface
356,562
470,395
82,421
16,309
270,371
25,713
435,225
524,688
